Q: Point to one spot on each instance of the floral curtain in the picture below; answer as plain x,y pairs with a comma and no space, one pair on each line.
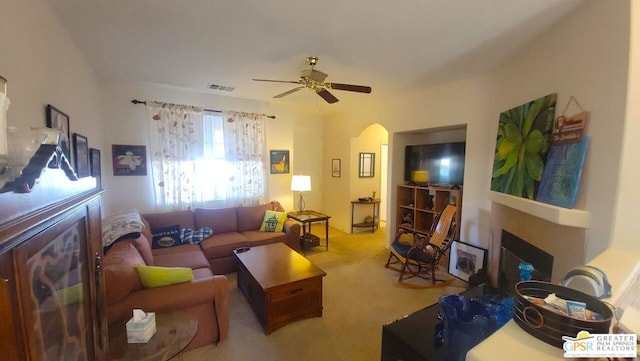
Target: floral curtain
244,143
175,145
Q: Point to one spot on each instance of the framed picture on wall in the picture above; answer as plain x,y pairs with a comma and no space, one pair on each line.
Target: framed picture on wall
56,119
335,168
367,165
81,155
129,159
279,161
466,260
95,164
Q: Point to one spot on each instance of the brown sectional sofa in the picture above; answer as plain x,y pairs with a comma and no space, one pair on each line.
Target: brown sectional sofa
205,297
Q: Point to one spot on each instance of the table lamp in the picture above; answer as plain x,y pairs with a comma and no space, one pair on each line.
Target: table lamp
301,183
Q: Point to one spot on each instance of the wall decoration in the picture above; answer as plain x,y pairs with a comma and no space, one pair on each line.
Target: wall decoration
569,129
56,119
367,165
521,149
466,260
562,172
279,161
95,165
129,159
81,155
336,168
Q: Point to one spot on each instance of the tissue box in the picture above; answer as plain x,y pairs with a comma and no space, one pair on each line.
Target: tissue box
141,331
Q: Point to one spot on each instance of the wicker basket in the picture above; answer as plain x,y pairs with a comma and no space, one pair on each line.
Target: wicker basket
550,326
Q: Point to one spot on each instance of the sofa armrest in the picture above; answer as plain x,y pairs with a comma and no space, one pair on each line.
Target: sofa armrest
175,297
292,230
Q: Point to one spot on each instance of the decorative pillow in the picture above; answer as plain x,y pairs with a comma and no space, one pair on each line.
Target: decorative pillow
406,238
273,221
154,276
121,224
188,235
70,295
166,237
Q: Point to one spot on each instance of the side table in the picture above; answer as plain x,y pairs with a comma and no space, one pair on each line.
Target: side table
307,218
376,217
174,331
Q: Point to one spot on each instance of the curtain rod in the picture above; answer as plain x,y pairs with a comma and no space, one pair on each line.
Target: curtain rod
136,101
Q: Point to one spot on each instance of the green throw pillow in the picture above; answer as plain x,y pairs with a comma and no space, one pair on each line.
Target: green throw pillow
70,295
154,276
273,221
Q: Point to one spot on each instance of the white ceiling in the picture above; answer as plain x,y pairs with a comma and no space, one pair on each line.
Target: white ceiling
392,46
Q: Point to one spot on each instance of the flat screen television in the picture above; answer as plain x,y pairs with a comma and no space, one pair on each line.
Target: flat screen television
435,164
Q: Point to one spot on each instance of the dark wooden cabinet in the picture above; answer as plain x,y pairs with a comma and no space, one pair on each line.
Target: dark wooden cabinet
52,298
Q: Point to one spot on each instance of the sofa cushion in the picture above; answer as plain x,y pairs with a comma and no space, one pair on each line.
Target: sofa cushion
147,229
221,220
190,236
201,273
259,238
158,220
222,245
250,218
164,237
121,277
143,246
186,255
155,276
273,221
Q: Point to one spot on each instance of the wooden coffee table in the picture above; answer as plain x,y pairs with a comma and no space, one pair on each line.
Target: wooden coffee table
281,285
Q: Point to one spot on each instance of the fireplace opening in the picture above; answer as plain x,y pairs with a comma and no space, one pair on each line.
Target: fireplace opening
515,250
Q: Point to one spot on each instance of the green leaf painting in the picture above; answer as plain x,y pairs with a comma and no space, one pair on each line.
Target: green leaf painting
521,147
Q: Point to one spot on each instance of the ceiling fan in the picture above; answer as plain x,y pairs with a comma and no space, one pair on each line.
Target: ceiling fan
314,79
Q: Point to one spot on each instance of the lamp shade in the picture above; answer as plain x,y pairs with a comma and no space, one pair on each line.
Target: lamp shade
301,183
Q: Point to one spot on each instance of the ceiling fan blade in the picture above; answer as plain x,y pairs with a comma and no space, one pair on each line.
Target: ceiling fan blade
350,87
278,81
324,94
288,92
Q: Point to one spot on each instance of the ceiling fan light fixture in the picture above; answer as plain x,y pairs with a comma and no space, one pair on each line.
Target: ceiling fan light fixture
315,79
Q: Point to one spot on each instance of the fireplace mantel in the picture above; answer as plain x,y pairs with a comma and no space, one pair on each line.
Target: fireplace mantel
558,215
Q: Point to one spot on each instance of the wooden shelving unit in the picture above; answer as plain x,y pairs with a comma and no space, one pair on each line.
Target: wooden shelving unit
418,207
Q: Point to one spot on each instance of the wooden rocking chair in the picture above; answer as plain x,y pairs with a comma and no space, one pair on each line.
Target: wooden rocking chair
422,256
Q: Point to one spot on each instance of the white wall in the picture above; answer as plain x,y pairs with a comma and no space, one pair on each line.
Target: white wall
584,56
126,123
43,66
307,159
625,231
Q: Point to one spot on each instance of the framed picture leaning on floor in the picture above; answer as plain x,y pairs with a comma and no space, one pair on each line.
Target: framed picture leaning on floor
466,260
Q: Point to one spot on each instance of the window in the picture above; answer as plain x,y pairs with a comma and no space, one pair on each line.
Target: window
205,158
212,169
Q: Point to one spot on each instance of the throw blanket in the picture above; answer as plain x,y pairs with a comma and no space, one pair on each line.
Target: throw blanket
120,225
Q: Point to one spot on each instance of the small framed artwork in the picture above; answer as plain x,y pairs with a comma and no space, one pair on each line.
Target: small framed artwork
335,168
95,164
81,155
466,260
279,161
56,119
129,159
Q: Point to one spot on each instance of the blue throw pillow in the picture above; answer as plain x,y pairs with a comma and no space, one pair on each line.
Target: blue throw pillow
166,236
195,237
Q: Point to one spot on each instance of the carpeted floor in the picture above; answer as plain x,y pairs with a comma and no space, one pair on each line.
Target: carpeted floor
359,296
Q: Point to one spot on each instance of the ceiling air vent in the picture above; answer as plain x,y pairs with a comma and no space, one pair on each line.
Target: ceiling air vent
221,87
